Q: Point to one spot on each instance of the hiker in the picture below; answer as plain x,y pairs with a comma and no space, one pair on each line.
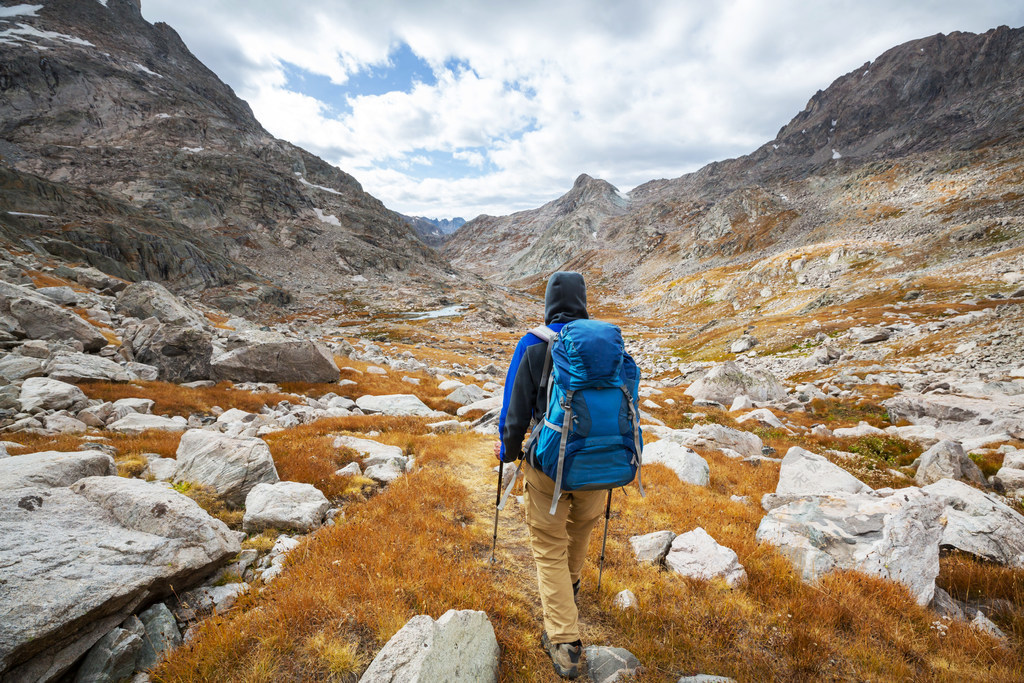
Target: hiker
559,533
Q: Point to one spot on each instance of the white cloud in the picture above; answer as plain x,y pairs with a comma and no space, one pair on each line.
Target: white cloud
624,91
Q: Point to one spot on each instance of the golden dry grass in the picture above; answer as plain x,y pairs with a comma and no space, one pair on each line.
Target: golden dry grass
420,546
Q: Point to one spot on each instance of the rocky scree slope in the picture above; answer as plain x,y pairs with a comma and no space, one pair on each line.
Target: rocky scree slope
127,149
917,151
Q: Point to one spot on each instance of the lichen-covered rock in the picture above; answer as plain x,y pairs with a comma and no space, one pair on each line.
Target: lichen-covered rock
284,505
48,469
947,460
42,393
727,381
149,299
83,367
277,360
180,353
232,466
697,555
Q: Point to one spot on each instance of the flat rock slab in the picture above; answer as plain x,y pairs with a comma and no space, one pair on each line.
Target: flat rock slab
284,505
368,447
652,547
979,523
49,469
610,664
81,367
121,543
286,360
136,423
41,393
895,537
806,473
687,465
459,646
397,404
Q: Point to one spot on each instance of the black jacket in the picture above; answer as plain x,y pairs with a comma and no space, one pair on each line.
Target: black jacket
565,300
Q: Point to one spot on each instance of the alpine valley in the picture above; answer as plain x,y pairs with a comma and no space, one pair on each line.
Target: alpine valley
247,412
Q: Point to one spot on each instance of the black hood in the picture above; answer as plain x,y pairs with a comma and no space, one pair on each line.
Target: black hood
565,298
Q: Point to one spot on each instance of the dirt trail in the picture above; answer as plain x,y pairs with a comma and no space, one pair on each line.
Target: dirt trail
514,567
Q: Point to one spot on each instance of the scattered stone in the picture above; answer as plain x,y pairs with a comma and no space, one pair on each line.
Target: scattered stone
466,394
136,423
397,404
727,381
350,470
487,405
706,678
284,505
947,460
743,344
895,537
368,447
277,360
806,473
148,299
979,523
741,403
762,416
232,466
687,465
113,658
610,664
42,319
447,427
450,385
695,554
625,600
60,423
180,353
41,393
49,469
384,472
869,335
862,429
162,469
652,547
162,635
460,646
14,368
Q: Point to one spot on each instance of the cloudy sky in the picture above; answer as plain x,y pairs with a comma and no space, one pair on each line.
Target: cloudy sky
458,107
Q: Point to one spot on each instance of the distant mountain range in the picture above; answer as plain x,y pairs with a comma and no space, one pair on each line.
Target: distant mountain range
917,154
434,231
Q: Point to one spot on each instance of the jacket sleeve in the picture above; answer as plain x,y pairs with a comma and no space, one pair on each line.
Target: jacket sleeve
520,410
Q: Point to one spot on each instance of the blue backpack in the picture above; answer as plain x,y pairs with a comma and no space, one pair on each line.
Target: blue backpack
589,438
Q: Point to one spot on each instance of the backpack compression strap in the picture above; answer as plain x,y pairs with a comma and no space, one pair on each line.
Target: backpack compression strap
566,426
634,419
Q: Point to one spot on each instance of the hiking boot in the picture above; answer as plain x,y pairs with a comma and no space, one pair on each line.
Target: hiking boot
565,657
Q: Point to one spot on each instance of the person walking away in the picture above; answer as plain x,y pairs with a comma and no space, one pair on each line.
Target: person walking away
559,541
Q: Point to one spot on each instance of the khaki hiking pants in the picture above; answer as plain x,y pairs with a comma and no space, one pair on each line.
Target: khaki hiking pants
559,545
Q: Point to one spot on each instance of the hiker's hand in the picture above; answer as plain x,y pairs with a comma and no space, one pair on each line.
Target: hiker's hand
497,450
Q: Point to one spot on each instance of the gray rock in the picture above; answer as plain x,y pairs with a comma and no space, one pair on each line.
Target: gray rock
806,473
148,373
486,404
979,523
162,635
396,404
206,600
179,352
687,465
136,423
49,469
743,344
61,423
697,555
368,447
460,646
610,664
652,547
232,466
385,472
711,436
113,658
284,505
895,537
869,335
945,606
706,678
284,360
42,393
1010,481
42,319
727,381
350,470
13,368
466,394
80,367
163,469
122,543
625,599
65,296
148,299
947,460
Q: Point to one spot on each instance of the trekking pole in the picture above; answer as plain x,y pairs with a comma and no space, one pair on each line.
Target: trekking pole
607,514
497,509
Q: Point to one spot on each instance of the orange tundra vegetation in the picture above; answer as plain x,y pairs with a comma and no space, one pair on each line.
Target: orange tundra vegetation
421,546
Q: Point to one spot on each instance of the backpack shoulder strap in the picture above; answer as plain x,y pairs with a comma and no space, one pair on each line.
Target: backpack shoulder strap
544,333
548,335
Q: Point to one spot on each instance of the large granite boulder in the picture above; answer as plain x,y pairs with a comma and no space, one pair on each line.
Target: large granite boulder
713,436
36,317
49,469
81,367
727,381
895,537
179,352
806,473
277,360
14,367
152,300
459,646
979,523
947,460
652,547
232,466
687,465
285,505
42,393
79,560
